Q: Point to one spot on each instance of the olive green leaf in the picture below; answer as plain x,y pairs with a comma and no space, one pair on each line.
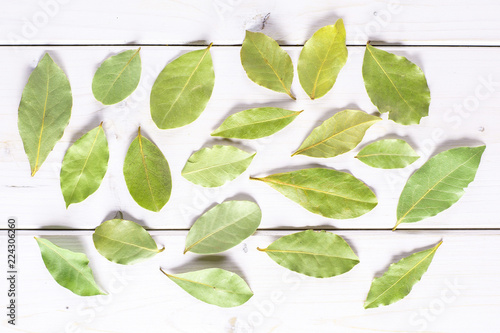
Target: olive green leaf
337,135
147,174
438,184
70,269
317,254
84,166
182,90
212,167
124,242
399,279
396,85
255,123
388,154
327,192
117,77
321,59
214,286
44,111
266,63
223,227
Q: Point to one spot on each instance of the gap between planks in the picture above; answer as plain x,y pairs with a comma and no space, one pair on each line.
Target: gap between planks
275,230
373,43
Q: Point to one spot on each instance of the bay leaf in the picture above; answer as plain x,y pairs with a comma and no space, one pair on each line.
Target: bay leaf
330,193
399,279
44,111
321,59
318,254
213,167
396,85
124,242
214,286
182,90
266,63
388,154
84,166
147,174
70,269
117,77
223,227
255,123
438,184
337,135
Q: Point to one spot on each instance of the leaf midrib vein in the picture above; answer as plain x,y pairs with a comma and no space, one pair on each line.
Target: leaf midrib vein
307,189
127,243
85,164
146,171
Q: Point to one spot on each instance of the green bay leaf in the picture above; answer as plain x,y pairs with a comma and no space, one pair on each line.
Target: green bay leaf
84,166
337,135
266,63
147,174
44,111
70,269
213,167
124,242
321,59
182,90
399,279
223,227
117,77
214,286
438,184
317,254
396,85
330,193
388,154
255,123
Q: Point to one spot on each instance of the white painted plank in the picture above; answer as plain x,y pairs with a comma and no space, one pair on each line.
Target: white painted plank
459,292
224,21
455,76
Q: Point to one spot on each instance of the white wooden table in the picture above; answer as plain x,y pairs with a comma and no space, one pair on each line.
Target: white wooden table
457,44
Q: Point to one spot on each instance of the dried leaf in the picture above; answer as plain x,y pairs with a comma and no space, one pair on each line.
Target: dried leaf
255,123
117,77
223,227
84,166
396,85
327,192
266,63
337,135
44,111
213,167
147,174
317,254
182,90
214,286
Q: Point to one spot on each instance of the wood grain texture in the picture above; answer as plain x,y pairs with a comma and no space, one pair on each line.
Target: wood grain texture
455,76
459,292
445,22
